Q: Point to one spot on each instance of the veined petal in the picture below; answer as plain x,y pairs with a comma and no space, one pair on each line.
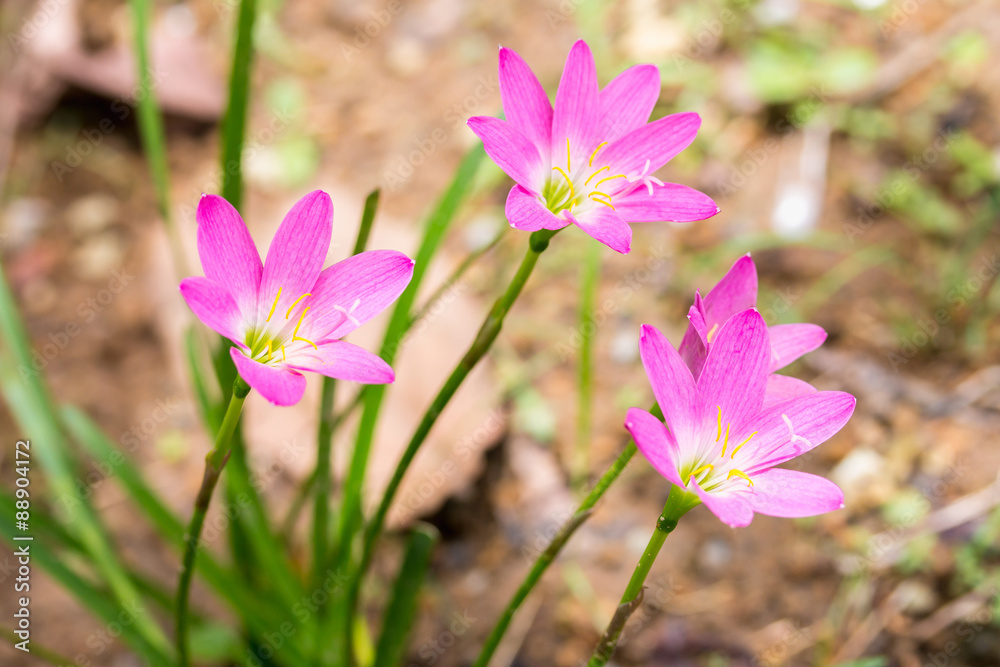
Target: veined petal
792,494
791,341
511,150
694,345
603,224
628,100
735,372
781,388
214,306
354,290
795,426
668,202
655,442
228,254
344,361
525,103
656,143
732,507
278,384
736,292
577,112
297,253
525,212
672,383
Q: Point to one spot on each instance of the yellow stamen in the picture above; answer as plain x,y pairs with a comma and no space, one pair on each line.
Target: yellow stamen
609,178
282,352
292,307
598,199
594,154
595,174
739,473
295,334
719,434
273,306
733,455
572,192
711,332
707,466
606,203
569,165
725,443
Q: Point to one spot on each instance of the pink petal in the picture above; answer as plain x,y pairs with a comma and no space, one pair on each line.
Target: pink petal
657,143
511,150
655,442
525,103
344,361
814,418
672,383
628,100
603,224
732,507
736,292
781,388
279,385
694,347
297,253
228,254
668,202
214,306
792,494
735,371
577,111
354,290
525,212
791,341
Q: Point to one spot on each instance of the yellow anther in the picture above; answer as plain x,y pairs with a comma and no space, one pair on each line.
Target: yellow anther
572,192
711,332
594,154
725,443
608,178
707,466
739,473
606,203
273,306
601,201
282,352
595,174
733,455
569,164
719,434
299,323
292,307
306,340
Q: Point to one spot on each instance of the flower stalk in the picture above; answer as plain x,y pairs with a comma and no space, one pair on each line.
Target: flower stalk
678,503
215,461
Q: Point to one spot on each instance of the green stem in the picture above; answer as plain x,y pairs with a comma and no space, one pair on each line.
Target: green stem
588,288
215,461
235,121
678,503
558,542
488,333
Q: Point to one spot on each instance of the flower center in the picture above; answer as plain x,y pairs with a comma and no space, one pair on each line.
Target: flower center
709,470
264,342
565,189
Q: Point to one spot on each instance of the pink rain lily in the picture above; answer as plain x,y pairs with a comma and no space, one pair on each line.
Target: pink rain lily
288,314
736,292
589,161
720,444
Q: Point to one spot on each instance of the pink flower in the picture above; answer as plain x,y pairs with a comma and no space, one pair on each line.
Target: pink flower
720,444
736,292
288,314
590,161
